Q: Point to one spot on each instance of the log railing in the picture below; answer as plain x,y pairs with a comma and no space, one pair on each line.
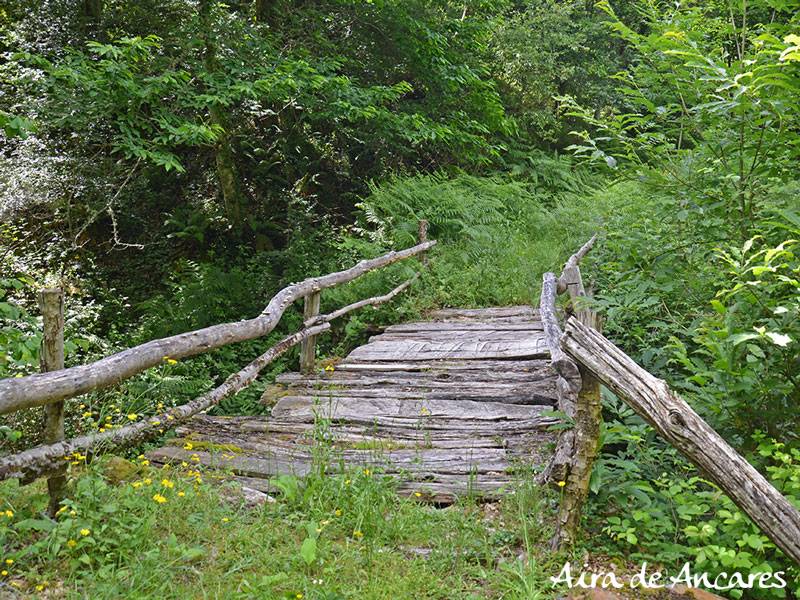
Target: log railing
51,387
582,357
578,399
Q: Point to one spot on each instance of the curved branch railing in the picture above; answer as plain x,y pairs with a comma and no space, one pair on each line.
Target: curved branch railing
45,388
52,387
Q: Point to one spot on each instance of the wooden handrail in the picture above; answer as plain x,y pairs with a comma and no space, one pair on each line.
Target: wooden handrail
44,388
578,398
41,460
682,427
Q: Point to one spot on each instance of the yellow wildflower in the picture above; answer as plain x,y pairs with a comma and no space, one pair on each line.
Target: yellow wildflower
9,513
4,573
144,463
225,519
417,494
195,458
298,596
9,561
85,532
133,416
86,415
72,543
357,534
102,430
39,587
156,422
330,368
72,513
338,512
367,472
137,484
170,417
561,483
170,361
147,481
82,406
184,464
188,446
347,482
181,494
167,483
159,498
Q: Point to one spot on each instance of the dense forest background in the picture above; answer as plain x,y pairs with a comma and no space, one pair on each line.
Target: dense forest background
174,163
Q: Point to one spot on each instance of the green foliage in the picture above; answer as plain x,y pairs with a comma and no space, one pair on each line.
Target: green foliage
677,517
494,234
745,354
547,49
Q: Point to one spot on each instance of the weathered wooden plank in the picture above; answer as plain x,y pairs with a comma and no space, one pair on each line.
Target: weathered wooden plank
532,391
294,407
511,336
422,350
439,326
445,366
490,374
485,313
278,459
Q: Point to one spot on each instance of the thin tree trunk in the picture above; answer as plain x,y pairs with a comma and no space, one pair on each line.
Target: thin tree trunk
228,175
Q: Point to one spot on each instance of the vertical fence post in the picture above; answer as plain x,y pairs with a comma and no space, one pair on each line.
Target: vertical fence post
308,347
422,238
51,304
588,418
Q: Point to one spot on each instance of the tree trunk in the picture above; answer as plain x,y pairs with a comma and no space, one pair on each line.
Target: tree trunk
228,175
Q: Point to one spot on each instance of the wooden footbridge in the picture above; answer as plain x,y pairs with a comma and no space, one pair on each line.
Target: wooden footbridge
452,405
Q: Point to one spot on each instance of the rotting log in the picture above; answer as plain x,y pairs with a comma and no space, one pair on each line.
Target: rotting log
44,388
51,304
682,427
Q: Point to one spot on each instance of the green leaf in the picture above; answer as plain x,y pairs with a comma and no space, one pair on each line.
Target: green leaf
308,550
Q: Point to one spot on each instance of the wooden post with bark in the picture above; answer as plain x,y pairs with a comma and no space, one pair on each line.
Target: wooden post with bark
51,358
422,237
682,427
308,347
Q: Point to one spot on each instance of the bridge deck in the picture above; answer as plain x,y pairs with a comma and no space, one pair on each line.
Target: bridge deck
449,406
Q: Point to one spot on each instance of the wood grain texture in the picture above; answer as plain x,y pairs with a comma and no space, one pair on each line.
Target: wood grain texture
449,408
682,427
